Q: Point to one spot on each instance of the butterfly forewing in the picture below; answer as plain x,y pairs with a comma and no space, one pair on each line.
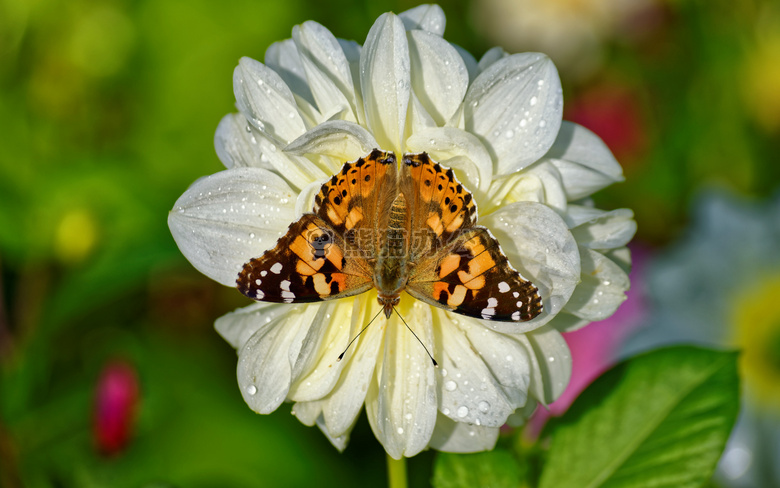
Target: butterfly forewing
308,264
440,206
354,200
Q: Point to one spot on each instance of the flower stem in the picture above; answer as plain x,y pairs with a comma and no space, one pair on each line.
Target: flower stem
396,472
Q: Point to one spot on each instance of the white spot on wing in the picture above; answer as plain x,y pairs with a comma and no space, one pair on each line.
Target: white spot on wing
276,268
516,315
260,295
492,302
503,287
285,285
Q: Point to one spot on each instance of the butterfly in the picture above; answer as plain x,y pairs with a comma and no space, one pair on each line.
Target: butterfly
407,227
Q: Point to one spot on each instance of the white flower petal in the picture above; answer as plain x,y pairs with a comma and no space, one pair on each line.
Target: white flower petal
451,436
238,326
586,163
418,117
283,58
339,442
266,101
444,143
469,389
339,139
597,229
225,219
566,322
506,357
539,245
327,70
515,106
342,407
317,368
439,75
307,412
385,83
551,360
264,368
401,400
236,143
305,202
540,183
296,170
469,61
602,290
428,18
620,256
552,185
491,56
310,413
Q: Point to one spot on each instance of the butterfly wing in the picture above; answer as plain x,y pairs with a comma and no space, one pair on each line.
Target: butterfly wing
356,201
328,254
474,278
311,262
458,265
440,207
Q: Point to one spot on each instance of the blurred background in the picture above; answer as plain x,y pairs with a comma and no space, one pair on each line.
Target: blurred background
111,373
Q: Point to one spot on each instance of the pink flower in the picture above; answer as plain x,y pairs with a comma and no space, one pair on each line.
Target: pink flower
116,401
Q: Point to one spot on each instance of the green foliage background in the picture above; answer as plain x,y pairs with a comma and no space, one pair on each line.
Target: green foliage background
107,114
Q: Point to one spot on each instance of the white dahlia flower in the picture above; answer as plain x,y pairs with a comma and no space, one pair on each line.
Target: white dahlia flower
318,102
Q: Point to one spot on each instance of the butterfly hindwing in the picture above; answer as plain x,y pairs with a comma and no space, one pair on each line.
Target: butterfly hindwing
474,278
308,264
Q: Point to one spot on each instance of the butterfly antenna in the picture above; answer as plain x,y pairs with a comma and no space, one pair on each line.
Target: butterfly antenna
415,336
358,335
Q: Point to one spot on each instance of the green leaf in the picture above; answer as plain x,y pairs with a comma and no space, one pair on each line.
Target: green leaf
493,469
660,419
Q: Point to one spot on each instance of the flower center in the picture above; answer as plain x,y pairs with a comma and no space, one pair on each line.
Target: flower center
756,331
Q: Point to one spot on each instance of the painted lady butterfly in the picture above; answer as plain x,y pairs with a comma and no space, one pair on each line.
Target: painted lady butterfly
375,225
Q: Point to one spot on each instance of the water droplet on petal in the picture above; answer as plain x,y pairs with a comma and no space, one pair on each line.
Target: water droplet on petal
533,101
463,411
251,389
483,406
450,386
400,430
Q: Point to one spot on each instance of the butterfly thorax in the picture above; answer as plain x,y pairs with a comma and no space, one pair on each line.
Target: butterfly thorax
392,264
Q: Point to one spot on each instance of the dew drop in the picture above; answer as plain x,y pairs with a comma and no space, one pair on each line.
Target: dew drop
251,235
542,123
533,101
443,372
450,386
523,123
483,406
510,133
408,416
445,411
509,358
463,411
251,389
400,430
